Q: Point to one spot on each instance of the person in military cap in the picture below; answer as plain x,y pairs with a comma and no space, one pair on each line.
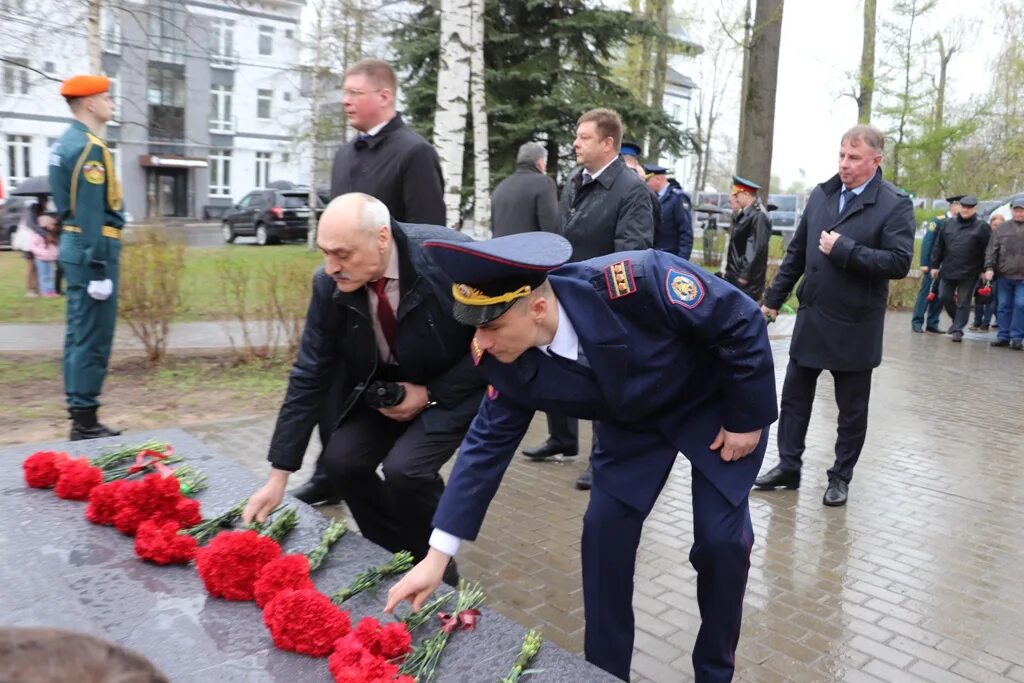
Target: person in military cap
675,234
746,263
958,259
88,198
927,312
664,358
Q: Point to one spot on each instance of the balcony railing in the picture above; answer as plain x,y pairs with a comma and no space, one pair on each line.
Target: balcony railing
222,125
224,60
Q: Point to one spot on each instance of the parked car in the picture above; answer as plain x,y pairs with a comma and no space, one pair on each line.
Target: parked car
270,215
785,215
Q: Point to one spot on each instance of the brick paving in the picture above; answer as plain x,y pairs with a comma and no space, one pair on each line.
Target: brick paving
919,578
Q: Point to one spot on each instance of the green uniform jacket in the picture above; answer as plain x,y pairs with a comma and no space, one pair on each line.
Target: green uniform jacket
88,197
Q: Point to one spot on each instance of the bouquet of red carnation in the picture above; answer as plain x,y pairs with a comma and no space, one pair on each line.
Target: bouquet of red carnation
105,502
422,662
168,543
291,572
77,478
352,662
232,561
159,499
163,543
399,563
305,621
42,468
389,641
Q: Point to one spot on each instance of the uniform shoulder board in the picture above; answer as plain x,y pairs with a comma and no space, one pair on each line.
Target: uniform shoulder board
619,279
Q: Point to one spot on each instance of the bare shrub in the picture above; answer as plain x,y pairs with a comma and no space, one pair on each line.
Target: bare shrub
150,288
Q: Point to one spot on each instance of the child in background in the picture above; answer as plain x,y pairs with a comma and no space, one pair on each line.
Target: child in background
44,249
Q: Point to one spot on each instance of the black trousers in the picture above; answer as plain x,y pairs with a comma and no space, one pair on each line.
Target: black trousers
394,512
853,389
564,431
959,310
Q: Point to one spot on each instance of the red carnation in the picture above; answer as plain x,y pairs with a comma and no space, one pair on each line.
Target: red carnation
42,468
305,621
77,478
105,502
154,498
231,562
288,572
390,642
162,544
187,513
351,662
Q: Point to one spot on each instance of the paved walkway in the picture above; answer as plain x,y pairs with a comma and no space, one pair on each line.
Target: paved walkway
28,337
919,578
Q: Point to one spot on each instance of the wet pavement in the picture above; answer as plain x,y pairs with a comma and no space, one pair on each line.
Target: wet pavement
919,578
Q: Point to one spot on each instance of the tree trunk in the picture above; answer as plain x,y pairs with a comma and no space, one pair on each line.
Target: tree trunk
661,18
745,75
452,99
867,64
754,157
945,56
481,143
92,31
904,114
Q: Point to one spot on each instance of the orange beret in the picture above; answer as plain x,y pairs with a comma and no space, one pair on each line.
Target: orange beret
83,86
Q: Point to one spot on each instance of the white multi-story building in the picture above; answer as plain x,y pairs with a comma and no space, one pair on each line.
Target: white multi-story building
208,96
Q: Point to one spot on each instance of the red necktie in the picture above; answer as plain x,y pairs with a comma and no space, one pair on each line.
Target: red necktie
385,314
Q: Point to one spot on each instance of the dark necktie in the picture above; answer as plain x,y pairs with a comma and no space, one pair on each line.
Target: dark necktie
848,197
385,314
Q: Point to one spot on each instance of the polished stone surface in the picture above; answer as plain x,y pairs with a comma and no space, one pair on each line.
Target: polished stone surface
58,570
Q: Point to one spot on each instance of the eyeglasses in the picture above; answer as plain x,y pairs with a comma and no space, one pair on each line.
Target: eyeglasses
347,92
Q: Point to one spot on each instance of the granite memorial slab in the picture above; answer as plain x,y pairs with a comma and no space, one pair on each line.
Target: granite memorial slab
58,570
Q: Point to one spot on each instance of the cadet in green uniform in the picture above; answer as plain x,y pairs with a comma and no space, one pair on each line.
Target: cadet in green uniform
88,198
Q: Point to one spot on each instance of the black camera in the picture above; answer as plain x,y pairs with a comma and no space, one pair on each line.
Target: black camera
381,394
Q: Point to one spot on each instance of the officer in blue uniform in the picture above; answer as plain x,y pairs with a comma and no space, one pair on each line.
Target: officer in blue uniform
663,358
675,234
88,198
926,313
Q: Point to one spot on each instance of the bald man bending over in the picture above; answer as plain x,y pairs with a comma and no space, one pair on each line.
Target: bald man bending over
384,370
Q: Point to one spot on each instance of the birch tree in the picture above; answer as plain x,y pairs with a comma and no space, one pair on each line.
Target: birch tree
453,78
481,145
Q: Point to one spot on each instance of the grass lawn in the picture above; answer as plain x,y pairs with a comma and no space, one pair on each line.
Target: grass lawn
201,287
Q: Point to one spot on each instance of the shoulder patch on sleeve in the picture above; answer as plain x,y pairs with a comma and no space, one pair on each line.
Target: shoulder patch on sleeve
620,280
683,289
476,351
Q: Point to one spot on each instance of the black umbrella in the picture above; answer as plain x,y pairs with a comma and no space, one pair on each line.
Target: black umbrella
710,208
36,185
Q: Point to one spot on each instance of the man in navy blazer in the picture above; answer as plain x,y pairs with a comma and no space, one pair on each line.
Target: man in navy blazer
663,358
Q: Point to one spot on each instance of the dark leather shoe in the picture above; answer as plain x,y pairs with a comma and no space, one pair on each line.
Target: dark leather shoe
917,328
1017,345
1000,343
836,493
957,337
312,493
451,574
85,425
777,477
934,330
585,480
550,449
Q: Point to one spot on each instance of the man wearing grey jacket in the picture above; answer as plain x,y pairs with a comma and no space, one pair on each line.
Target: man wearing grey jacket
527,200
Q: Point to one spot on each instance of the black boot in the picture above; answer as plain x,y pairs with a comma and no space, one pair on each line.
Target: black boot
315,493
84,425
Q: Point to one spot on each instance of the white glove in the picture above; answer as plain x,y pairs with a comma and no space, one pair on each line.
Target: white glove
100,289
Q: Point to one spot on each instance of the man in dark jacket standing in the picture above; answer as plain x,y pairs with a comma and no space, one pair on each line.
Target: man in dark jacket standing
674,234
605,208
856,234
746,265
923,308
527,200
386,160
380,322
958,258
1005,258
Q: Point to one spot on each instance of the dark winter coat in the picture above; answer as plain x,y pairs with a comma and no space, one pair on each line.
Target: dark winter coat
959,250
675,231
396,166
525,201
748,250
844,295
1005,253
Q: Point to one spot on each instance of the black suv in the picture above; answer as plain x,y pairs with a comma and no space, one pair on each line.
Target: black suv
271,216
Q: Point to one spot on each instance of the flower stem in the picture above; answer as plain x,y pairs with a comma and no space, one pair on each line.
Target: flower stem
332,534
399,563
207,528
282,524
529,650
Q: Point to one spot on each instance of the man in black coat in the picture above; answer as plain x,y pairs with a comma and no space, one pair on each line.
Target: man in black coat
958,257
380,320
527,200
387,160
674,234
605,208
746,265
856,234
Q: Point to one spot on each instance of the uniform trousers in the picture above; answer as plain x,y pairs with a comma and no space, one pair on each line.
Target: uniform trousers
89,335
394,512
853,389
723,537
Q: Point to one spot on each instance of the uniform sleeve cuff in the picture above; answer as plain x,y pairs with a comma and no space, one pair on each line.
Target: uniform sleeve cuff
444,542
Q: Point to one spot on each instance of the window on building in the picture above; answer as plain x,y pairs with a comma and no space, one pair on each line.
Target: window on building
222,41
15,76
220,173
49,67
220,108
166,86
286,158
266,46
167,21
19,159
289,34
264,98
115,94
262,169
287,97
110,30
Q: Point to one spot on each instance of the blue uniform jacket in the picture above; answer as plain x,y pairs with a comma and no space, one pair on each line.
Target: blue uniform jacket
675,234
681,354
